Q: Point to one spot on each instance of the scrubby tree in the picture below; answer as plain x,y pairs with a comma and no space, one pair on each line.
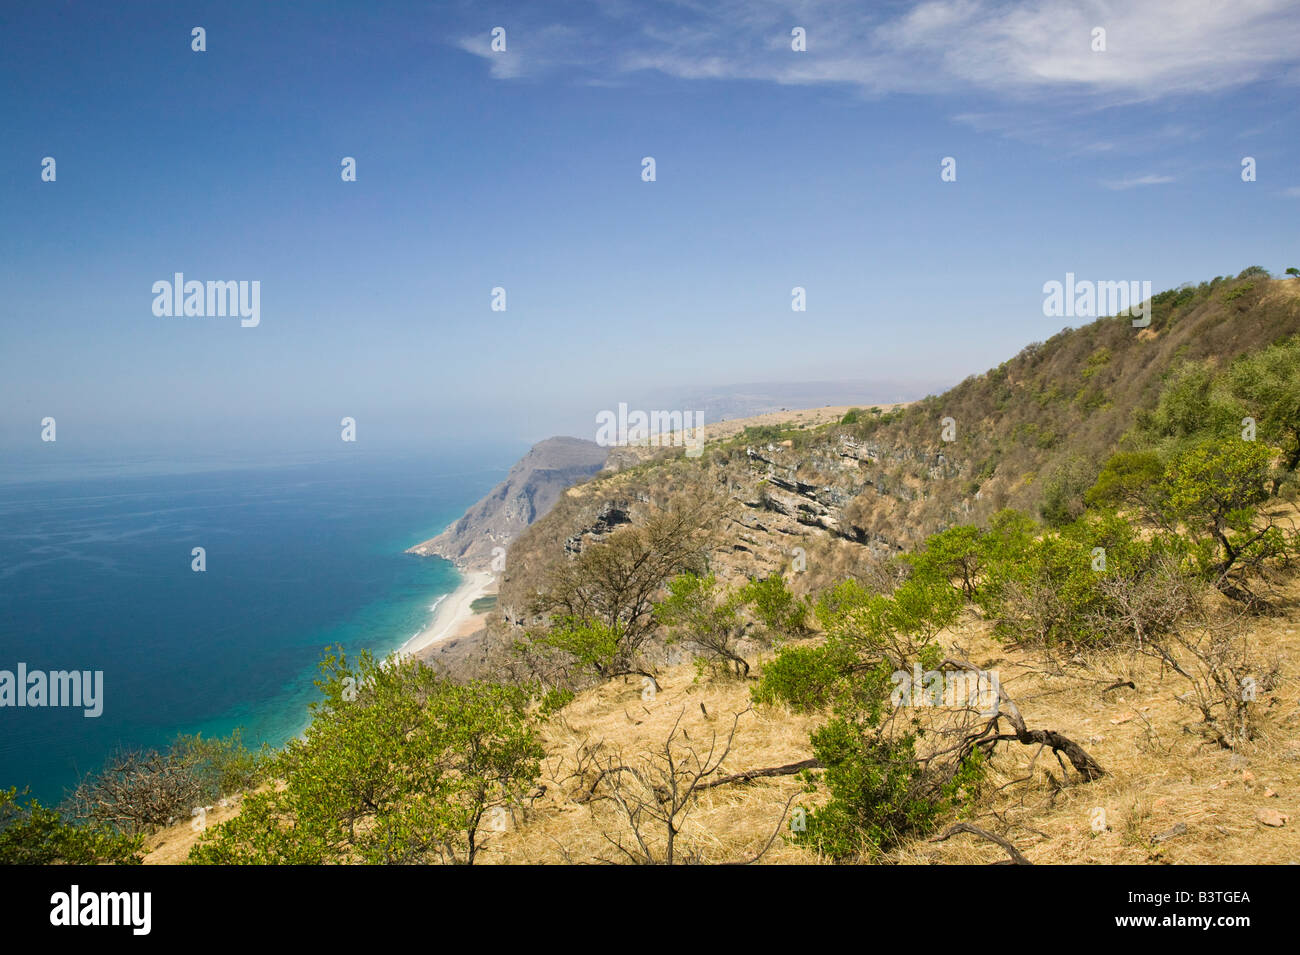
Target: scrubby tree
654,795
957,554
1195,404
1268,384
1127,480
705,616
889,768
601,603
1063,491
140,790
1211,493
397,766
32,834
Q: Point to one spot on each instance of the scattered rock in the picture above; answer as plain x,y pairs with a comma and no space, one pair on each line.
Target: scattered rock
1269,794
1124,718
1271,817
1178,830
1237,761
1247,776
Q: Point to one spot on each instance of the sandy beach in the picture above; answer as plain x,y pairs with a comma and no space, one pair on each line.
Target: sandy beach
453,612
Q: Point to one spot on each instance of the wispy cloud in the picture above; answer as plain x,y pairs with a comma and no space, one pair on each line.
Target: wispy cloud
529,51
1013,48
1136,181
1292,193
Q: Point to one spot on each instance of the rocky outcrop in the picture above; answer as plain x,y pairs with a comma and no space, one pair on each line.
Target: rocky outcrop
531,489
612,515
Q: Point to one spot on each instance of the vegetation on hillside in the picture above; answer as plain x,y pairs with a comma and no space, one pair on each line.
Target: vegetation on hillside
398,766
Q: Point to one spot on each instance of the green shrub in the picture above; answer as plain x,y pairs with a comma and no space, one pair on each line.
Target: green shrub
398,766
31,834
879,792
806,678
1127,479
775,606
1063,491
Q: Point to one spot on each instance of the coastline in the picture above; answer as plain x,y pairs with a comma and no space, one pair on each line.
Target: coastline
452,613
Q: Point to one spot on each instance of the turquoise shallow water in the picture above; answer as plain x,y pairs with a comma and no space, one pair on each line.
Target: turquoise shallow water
95,574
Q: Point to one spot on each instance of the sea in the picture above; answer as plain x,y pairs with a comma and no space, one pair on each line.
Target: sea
97,573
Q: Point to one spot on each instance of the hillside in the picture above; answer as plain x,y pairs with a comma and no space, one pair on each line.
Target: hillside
1168,797
850,494
690,658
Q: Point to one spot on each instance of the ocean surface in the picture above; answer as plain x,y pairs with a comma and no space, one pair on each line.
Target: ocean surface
95,574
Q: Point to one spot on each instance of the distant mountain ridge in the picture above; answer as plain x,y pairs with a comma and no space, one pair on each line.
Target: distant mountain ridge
529,491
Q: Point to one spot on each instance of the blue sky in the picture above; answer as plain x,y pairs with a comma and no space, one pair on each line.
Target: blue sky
522,169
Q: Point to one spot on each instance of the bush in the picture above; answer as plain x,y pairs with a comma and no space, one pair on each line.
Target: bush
775,606
1194,404
703,615
881,788
1058,588
398,766
1212,492
1063,492
1268,384
31,834
806,678
956,554
879,792
1127,479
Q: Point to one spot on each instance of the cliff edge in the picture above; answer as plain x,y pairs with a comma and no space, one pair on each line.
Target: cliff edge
531,488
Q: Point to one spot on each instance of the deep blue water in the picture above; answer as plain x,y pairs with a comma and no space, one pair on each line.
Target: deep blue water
95,574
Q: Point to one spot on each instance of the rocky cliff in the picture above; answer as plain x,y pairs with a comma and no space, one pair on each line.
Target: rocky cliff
531,488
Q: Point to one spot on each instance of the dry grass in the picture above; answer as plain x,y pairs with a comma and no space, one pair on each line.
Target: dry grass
1160,770
729,823
171,846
